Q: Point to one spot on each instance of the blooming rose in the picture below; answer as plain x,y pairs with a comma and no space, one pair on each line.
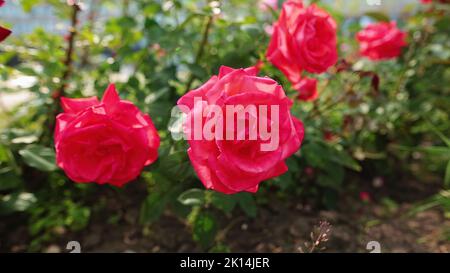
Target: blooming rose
307,89
236,164
107,141
380,41
304,38
4,32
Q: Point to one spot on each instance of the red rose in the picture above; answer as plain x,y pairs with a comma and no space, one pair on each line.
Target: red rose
381,41
307,89
107,141
4,32
238,157
304,38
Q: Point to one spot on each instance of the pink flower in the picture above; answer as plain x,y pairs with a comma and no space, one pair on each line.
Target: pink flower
238,162
381,41
304,38
2,2
307,89
107,141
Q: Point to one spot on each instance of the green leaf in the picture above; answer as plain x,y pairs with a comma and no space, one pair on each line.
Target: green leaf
9,180
78,217
224,202
192,197
24,139
247,203
316,155
342,158
432,150
151,9
441,199
152,208
39,157
378,16
27,5
445,139
176,165
3,154
447,176
204,229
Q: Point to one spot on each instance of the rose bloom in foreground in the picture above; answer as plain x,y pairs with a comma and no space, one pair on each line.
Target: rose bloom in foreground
381,41
107,141
304,38
231,165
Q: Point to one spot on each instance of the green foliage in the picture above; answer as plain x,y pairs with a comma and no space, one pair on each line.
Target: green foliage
39,157
16,202
204,229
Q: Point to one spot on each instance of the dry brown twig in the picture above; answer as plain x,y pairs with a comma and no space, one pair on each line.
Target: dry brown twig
319,236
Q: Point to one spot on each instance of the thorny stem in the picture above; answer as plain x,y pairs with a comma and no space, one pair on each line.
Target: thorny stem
68,61
201,49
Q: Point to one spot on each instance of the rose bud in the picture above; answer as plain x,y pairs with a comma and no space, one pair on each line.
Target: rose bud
307,89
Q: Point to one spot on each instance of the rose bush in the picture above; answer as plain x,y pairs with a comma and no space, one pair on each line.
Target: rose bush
107,141
368,117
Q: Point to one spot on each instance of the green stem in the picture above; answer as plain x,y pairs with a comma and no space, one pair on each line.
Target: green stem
201,50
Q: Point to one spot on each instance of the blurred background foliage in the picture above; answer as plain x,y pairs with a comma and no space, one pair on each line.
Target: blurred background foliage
373,126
